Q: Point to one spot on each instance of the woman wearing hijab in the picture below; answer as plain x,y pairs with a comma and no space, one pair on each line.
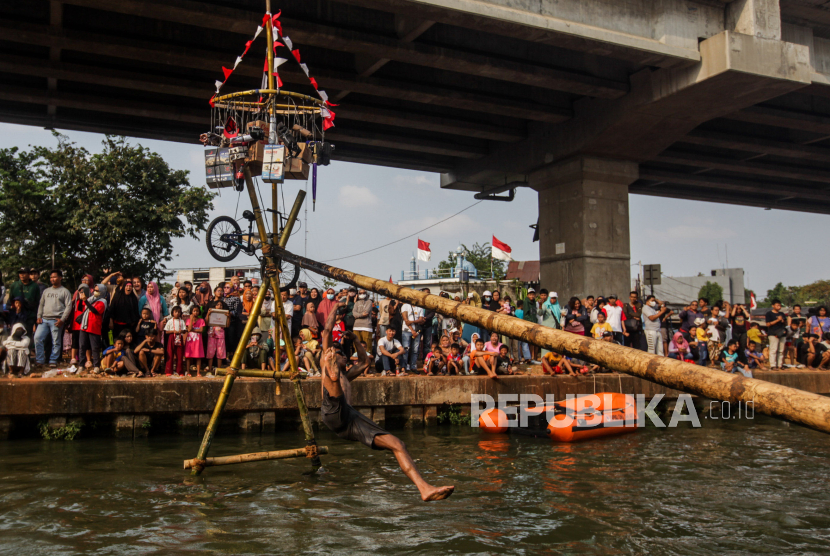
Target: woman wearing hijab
679,348
576,319
17,351
157,304
123,310
202,297
551,314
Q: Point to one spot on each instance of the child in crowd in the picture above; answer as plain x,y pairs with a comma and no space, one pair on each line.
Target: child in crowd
146,324
150,354
17,351
601,327
454,366
794,334
310,319
504,363
702,337
435,362
679,348
216,339
755,334
339,327
113,359
730,363
494,345
194,351
256,352
483,362
312,351
754,358
555,364
174,331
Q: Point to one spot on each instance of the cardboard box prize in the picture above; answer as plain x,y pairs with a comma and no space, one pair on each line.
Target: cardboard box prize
297,168
219,317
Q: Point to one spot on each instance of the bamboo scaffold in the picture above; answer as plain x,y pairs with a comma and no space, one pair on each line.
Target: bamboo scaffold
811,410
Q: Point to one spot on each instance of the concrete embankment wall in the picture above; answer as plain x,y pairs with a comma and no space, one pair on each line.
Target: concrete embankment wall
131,407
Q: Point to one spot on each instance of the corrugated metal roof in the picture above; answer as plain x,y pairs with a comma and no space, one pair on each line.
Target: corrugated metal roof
524,271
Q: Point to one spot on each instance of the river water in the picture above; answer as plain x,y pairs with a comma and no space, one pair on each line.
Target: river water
737,487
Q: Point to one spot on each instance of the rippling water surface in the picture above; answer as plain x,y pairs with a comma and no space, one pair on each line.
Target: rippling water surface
737,487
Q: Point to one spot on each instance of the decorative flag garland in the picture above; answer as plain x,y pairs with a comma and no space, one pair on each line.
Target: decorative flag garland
327,114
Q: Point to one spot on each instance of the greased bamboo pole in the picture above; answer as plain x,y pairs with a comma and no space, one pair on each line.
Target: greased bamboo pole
255,456
792,404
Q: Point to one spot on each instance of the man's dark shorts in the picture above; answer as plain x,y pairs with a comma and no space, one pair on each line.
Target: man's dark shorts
347,422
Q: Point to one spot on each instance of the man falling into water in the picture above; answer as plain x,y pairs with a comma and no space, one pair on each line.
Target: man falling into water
347,422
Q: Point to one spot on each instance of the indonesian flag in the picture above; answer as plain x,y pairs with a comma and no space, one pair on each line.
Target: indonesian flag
501,250
423,251
752,303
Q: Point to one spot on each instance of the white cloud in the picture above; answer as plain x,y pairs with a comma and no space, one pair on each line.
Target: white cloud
416,179
356,196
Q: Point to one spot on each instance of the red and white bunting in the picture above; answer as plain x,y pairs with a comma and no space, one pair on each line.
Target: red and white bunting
273,20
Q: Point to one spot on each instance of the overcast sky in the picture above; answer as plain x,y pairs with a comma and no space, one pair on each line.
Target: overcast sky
360,207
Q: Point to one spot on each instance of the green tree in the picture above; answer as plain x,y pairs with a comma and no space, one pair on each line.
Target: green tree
119,209
479,257
711,291
780,292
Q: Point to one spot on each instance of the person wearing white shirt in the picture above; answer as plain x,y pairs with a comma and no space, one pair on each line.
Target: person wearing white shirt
613,314
413,320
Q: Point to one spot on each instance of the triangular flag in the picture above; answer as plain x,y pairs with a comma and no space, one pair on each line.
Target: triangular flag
247,47
323,95
258,31
424,252
218,85
227,72
288,43
296,54
275,17
328,121
238,61
211,101
265,19
303,66
279,61
313,82
501,250
279,81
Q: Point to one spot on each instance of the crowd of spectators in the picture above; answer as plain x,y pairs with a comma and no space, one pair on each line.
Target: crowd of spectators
124,326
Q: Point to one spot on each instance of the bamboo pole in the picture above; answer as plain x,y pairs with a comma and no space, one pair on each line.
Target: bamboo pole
255,456
254,373
236,362
269,49
792,404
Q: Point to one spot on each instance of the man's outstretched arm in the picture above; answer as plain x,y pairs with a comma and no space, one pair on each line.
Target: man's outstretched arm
362,359
326,336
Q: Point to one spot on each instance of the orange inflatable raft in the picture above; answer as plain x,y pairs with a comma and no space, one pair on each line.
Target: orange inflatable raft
570,420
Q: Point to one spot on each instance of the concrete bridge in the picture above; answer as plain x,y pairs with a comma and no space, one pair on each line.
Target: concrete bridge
584,101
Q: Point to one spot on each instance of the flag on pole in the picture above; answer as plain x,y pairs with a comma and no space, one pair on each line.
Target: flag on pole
752,303
423,251
501,250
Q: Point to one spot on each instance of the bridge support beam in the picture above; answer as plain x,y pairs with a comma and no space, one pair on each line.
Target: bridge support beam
583,226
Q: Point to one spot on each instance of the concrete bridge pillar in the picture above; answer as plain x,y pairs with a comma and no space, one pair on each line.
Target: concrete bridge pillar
583,226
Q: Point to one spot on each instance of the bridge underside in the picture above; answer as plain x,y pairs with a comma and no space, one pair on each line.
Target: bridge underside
724,101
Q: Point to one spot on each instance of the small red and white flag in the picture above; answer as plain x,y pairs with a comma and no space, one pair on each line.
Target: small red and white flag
752,303
423,251
501,250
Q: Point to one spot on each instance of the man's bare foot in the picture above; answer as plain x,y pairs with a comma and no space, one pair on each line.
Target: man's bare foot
431,493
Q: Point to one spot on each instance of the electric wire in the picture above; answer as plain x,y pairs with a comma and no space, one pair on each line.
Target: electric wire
406,237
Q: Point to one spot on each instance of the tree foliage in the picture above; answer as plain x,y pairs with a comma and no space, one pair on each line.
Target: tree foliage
119,209
711,291
479,257
811,295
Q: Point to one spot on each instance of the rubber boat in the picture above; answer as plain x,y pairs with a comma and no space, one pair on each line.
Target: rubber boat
570,420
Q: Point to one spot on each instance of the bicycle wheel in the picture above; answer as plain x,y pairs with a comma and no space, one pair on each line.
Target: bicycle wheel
289,274
222,237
